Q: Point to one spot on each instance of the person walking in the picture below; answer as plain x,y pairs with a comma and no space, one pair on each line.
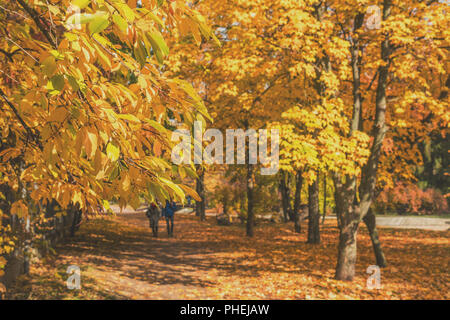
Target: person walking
168,213
153,215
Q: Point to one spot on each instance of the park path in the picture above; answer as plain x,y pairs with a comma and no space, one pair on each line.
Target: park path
423,223
410,222
401,222
137,266
119,259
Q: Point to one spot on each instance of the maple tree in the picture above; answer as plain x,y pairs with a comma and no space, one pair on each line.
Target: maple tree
354,196
338,84
251,79
385,53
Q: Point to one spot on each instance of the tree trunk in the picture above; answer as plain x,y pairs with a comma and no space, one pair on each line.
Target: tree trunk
225,203
285,195
77,215
27,247
200,206
348,218
345,269
370,221
250,199
324,197
369,171
314,215
297,201
349,215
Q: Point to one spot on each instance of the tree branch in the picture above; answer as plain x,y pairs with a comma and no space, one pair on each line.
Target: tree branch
35,16
16,113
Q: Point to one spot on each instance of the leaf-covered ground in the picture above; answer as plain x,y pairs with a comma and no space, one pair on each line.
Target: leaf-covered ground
120,260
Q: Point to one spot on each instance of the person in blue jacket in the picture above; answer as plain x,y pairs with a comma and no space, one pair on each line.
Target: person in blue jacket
168,212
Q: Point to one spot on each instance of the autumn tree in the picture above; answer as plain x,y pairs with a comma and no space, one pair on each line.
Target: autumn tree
346,48
333,77
387,59
245,83
86,104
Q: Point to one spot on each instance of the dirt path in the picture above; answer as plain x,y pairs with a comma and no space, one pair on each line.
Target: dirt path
119,259
143,267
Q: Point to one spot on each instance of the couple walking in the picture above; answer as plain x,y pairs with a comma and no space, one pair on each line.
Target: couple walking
153,214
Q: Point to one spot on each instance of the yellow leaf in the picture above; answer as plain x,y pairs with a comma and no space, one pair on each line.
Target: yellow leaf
90,144
112,151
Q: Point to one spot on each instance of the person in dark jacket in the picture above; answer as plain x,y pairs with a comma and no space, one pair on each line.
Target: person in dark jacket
153,215
168,213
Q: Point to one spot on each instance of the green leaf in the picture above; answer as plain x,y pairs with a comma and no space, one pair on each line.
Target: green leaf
178,191
49,66
58,55
158,44
129,117
191,173
157,191
127,12
140,54
73,83
58,82
81,3
100,23
120,22
157,126
158,38
155,18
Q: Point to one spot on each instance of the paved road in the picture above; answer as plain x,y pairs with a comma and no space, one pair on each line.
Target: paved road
423,223
436,224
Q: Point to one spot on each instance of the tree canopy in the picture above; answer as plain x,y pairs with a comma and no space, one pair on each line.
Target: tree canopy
90,91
